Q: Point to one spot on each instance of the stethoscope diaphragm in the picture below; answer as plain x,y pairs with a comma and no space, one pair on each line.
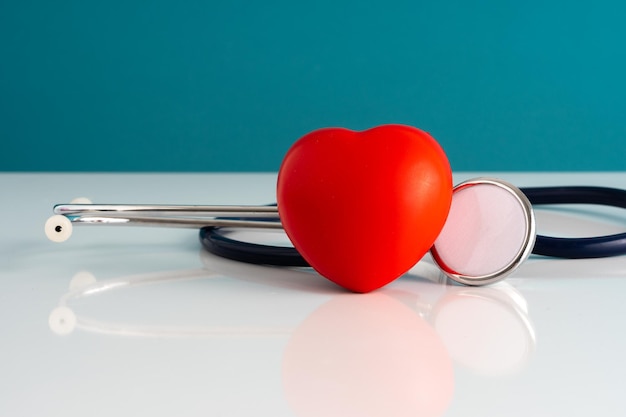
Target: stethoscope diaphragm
489,232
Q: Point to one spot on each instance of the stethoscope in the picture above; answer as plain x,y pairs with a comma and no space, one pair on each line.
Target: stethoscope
489,232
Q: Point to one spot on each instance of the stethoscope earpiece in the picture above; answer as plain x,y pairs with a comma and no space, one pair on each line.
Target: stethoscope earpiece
58,228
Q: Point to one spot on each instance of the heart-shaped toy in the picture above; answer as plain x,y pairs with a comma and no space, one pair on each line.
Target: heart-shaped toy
363,207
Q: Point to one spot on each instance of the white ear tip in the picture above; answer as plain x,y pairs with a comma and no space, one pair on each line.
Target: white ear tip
81,200
58,228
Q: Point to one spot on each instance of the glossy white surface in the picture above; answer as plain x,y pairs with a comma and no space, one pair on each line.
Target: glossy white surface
134,321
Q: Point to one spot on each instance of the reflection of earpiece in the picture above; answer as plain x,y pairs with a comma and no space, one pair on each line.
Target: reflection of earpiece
62,321
486,330
81,280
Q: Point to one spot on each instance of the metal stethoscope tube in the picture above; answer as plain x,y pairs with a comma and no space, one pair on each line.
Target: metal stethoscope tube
180,216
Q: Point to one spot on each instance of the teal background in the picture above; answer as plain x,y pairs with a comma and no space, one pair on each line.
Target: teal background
229,85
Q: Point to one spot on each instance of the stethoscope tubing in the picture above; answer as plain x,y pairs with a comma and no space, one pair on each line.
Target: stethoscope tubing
578,248
215,241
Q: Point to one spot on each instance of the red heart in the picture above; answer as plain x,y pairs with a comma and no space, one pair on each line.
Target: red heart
364,207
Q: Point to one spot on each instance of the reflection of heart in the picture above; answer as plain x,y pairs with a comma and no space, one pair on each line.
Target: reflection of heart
363,207
363,356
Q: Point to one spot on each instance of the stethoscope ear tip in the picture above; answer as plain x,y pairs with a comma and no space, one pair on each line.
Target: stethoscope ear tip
81,200
58,228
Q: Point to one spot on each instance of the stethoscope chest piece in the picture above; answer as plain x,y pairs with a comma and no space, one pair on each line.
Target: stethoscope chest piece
489,232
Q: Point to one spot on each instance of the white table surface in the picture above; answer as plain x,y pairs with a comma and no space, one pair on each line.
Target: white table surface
136,321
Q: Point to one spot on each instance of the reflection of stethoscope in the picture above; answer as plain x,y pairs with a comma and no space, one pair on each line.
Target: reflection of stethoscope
395,348
487,331
489,232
